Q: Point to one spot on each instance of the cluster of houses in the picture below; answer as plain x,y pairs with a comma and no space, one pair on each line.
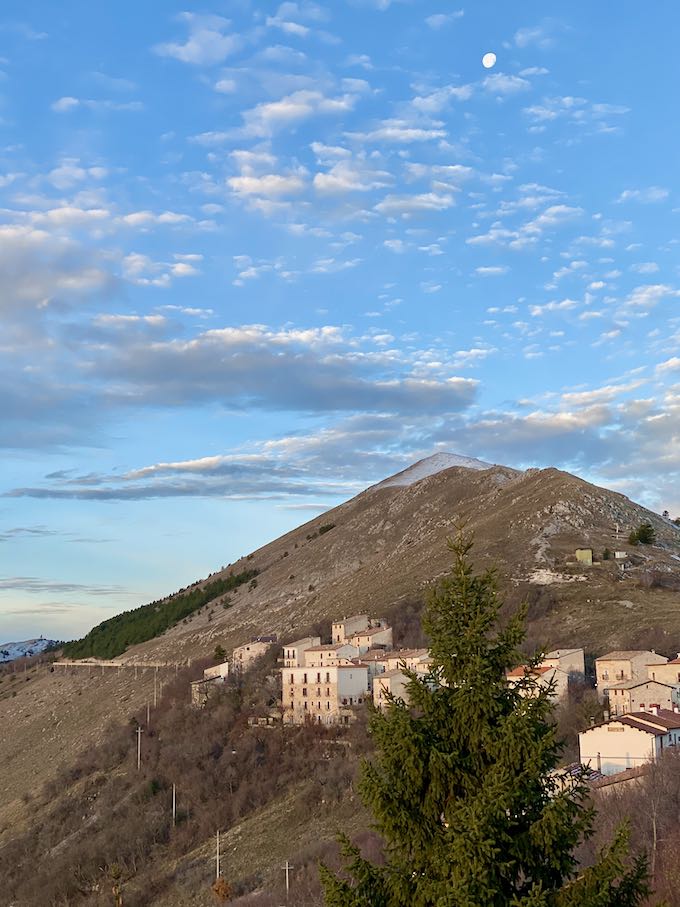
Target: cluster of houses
324,683
641,692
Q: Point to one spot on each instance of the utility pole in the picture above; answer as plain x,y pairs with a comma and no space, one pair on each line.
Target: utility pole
287,868
217,856
147,714
155,687
140,731
174,806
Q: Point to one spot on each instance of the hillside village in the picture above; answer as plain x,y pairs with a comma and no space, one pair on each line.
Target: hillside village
325,683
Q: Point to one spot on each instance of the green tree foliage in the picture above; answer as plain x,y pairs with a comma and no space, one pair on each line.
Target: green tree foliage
219,654
463,788
643,535
646,534
113,636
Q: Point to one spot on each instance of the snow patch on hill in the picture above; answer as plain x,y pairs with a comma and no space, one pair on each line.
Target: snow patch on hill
430,466
9,651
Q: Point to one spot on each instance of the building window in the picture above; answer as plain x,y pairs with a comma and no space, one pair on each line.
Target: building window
304,678
318,691
304,693
328,706
292,679
318,677
305,705
328,677
328,691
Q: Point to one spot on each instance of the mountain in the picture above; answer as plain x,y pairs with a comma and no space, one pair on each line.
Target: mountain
9,651
431,466
377,552
381,549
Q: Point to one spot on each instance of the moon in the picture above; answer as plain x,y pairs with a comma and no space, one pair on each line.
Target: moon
489,60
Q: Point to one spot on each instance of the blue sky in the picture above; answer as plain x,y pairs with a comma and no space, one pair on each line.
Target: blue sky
255,257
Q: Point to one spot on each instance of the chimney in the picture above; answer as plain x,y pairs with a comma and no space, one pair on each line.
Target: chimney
676,709
654,710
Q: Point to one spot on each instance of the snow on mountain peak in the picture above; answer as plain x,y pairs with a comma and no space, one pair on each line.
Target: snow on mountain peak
9,651
431,466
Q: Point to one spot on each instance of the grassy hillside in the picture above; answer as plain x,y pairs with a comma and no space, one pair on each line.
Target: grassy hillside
112,637
101,820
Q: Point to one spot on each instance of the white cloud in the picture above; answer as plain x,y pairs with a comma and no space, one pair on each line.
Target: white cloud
649,295
141,270
399,132
350,176
271,116
670,365
578,111
407,205
69,104
563,306
269,185
530,232
647,196
645,267
440,20
207,43
439,98
536,35
491,270
70,172
226,86
500,83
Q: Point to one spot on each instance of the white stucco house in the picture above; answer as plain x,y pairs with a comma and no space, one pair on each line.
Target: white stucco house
629,741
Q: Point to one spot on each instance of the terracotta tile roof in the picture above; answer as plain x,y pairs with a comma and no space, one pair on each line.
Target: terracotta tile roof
658,724
525,669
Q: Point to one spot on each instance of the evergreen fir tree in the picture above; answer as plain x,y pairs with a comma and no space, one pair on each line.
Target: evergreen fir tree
463,785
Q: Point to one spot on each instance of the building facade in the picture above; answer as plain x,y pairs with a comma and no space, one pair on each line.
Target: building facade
624,665
629,741
323,695
243,656
638,695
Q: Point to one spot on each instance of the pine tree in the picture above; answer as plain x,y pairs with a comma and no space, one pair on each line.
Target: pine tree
463,786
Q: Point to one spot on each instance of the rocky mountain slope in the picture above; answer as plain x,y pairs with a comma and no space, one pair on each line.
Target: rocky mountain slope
389,543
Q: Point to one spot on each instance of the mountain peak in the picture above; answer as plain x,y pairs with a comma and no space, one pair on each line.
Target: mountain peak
9,651
430,466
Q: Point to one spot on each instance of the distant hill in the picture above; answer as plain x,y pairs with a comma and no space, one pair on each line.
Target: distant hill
10,651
